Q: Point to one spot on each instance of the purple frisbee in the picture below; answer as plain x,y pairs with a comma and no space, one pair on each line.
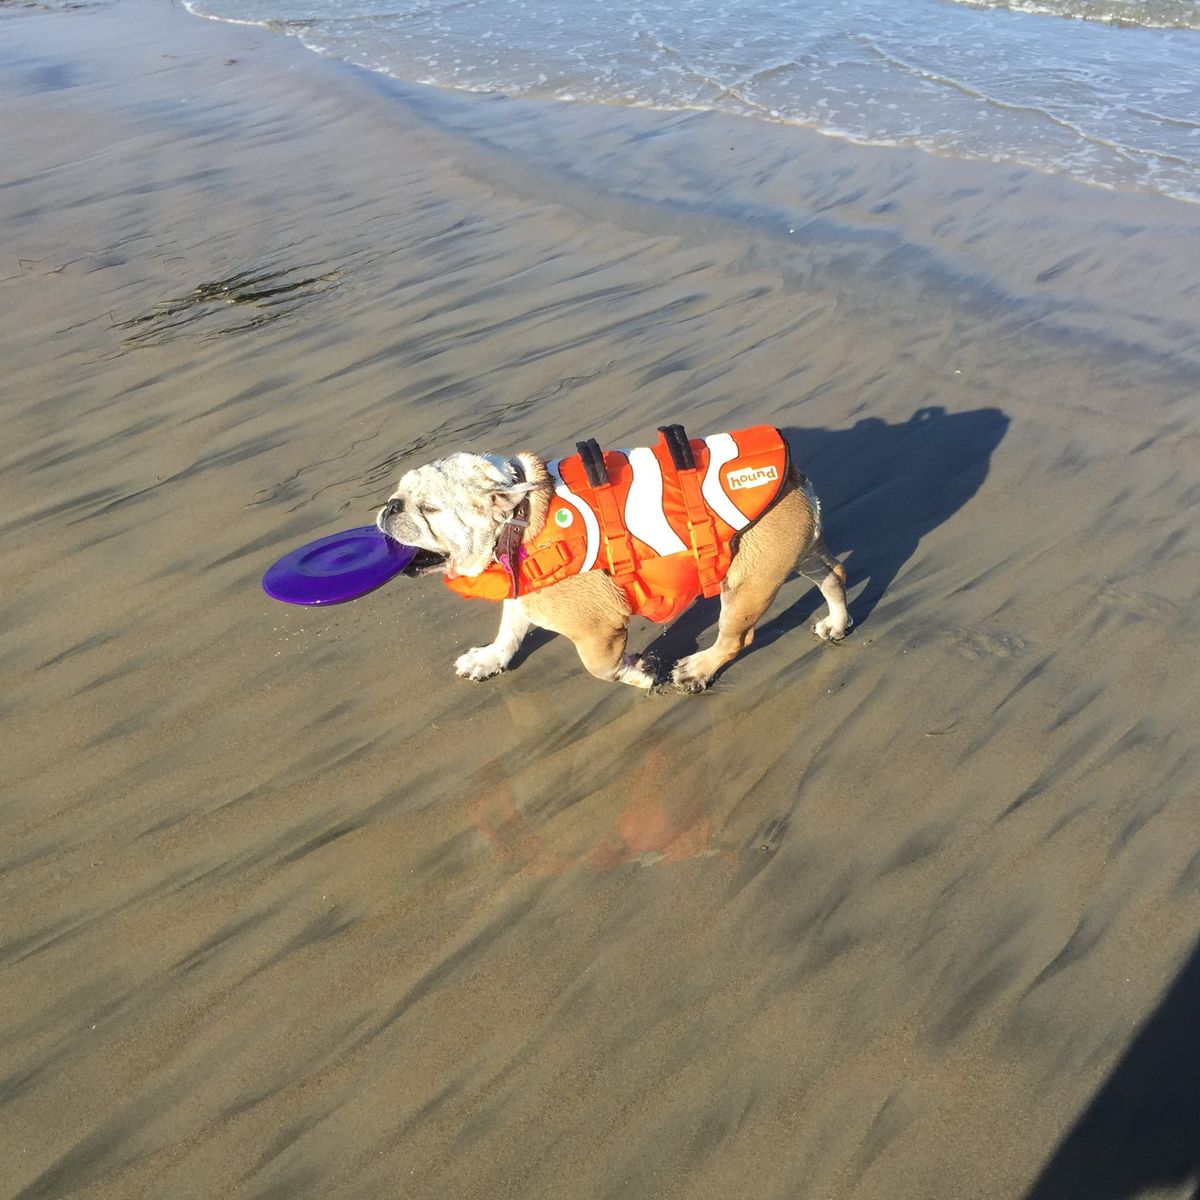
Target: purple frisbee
340,567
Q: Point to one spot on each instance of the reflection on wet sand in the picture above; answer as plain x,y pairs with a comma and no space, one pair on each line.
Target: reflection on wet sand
660,808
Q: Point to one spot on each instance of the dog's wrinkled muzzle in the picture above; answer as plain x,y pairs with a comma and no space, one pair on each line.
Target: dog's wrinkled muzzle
387,514
388,517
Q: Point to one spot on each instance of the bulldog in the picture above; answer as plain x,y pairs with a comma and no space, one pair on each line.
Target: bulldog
577,545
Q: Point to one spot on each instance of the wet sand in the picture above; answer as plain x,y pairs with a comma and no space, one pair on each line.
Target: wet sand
288,911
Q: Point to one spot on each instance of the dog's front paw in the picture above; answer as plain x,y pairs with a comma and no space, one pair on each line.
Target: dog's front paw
636,670
692,674
829,629
480,663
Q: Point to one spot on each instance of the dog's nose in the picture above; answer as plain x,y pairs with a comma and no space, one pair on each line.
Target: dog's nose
393,508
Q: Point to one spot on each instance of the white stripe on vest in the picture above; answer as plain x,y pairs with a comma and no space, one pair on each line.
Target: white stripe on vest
644,516
721,449
590,524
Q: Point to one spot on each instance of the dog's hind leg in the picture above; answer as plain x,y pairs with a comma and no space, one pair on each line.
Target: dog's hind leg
765,557
742,607
830,576
482,662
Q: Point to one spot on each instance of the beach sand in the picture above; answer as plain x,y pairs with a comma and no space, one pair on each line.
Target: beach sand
289,911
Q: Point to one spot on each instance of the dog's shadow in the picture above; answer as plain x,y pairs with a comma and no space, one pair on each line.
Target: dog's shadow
883,487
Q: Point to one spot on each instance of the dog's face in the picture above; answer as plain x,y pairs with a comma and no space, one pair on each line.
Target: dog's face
454,508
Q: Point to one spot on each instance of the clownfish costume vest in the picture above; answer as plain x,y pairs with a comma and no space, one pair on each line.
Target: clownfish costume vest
662,521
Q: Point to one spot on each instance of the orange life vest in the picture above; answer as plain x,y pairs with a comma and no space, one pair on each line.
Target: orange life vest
662,521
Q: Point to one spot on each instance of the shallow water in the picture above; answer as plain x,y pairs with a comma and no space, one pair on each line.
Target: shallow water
1111,100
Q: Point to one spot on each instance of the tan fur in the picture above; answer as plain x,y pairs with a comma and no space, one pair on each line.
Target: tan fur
590,609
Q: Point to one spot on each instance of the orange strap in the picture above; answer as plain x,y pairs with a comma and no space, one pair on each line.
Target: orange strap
600,494
706,544
541,565
618,548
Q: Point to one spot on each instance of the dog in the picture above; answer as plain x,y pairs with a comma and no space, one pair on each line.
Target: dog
578,545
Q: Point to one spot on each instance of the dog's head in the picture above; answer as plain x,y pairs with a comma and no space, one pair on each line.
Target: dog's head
454,509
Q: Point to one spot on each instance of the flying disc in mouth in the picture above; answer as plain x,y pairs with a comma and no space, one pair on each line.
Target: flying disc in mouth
337,568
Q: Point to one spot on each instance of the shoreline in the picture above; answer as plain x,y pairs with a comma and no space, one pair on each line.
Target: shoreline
291,911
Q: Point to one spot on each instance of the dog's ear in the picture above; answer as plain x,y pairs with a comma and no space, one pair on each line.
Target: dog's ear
505,499
504,494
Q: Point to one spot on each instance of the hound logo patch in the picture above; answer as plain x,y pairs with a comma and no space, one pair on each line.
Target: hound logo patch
751,477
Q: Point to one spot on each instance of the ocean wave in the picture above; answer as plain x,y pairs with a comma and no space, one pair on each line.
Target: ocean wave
1110,109
1140,14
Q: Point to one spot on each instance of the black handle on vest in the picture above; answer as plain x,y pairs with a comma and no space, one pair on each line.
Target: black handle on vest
679,447
593,462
